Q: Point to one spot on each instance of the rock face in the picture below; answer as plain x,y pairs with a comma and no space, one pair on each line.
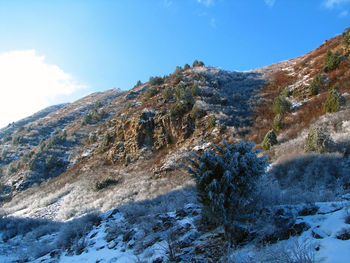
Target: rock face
149,131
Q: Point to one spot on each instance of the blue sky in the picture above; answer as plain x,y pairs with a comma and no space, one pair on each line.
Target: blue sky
86,46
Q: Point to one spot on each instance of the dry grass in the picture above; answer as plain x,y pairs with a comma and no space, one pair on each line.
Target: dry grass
304,69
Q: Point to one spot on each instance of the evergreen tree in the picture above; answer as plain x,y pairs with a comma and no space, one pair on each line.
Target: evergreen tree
226,181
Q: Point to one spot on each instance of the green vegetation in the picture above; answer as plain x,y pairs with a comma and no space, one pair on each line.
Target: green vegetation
211,121
286,92
346,37
270,139
104,144
17,140
92,138
318,140
226,182
332,61
313,89
99,185
277,123
197,63
6,138
178,76
11,169
186,66
156,81
168,93
94,116
150,92
183,101
196,112
334,101
4,154
127,105
57,139
281,105
195,90
316,85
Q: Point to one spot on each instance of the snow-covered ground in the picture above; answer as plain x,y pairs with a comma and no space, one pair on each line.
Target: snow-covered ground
116,239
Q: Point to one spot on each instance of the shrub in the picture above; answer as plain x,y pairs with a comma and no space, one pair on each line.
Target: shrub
139,83
150,93
313,89
92,137
184,97
277,123
346,37
211,121
197,63
318,140
11,169
167,93
334,101
127,105
94,116
270,139
332,61
57,139
17,140
178,76
226,181
4,154
194,90
281,105
72,234
105,183
156,81
186,66
286,92
312,177
195,112
106,140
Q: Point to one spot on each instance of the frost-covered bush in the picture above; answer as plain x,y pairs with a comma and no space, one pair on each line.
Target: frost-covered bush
72,234
281,105
316,175
226,181
270,139
334,101
318,140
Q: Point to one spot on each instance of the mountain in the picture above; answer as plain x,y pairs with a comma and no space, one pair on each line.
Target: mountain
106,172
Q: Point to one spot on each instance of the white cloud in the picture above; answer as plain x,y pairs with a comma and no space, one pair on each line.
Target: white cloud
167,3
270,3
28,83
333,3
344,13
206,2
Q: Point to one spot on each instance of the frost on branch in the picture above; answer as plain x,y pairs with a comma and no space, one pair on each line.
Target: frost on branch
226,181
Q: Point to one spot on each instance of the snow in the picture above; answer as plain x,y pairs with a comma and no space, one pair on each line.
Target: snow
327,223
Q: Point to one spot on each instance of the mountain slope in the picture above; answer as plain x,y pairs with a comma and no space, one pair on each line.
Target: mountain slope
126,149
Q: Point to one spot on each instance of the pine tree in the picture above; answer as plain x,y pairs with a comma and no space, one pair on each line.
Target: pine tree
226,181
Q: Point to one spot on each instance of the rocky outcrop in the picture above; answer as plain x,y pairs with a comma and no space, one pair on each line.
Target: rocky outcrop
147,132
